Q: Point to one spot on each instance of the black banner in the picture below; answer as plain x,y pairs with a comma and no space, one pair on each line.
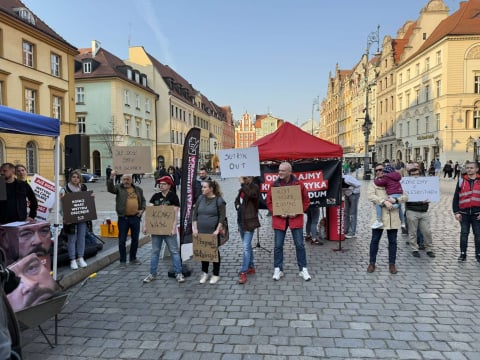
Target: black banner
191,151
322,179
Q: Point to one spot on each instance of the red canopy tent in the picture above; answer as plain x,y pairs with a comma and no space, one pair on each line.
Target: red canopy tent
289,142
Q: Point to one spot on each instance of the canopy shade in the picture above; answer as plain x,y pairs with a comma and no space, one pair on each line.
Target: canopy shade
20,122
289,142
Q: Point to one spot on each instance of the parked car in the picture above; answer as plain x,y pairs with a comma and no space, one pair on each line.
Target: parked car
89,178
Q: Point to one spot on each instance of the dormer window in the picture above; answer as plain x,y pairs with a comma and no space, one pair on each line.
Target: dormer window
25,14
144,80
87,67
129,74
137,77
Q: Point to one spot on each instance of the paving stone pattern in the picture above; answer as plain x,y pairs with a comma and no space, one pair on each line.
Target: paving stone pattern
429,310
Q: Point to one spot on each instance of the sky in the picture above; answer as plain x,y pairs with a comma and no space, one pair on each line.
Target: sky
256,56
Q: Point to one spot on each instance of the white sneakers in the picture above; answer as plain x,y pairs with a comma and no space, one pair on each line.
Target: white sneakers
203,278
304,274
82,263
214,279
377,224
277,274
73,264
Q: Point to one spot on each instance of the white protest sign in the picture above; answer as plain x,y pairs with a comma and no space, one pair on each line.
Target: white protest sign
422,188
239,162
44,190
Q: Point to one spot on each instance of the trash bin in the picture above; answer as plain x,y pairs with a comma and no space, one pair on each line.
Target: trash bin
335,221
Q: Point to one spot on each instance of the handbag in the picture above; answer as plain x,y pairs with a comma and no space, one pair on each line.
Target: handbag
224,233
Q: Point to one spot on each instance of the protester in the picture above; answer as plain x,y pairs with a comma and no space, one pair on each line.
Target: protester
166,196
14,208
281,223
311,226
246,203
129,205
418,222
208,215
21,173
351,193
390,219
75,232
466,207
36,284
175,177
202,176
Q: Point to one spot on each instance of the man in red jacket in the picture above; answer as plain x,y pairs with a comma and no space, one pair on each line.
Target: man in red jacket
281,223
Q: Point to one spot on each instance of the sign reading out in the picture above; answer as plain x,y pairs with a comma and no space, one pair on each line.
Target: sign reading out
78,207
160,220
132,159
287,200
205,248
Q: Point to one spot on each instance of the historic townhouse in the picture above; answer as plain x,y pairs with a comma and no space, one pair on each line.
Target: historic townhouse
36,75
244,132
114,105
266,124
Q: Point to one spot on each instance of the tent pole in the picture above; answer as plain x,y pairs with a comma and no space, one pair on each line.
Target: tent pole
56,207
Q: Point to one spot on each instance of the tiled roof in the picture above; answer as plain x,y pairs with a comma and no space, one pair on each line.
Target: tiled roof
7,6
398,45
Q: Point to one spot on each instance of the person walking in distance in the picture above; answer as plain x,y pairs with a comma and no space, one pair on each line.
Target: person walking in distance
351,192
246,203
129,205
466,207
281,223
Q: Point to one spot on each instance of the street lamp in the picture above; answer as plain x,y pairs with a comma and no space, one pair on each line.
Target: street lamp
373,37
316,101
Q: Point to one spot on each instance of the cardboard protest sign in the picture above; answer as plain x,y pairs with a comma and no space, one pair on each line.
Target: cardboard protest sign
239,162
159,220
422,188
78,207
44,190
132,159
205,248
287,200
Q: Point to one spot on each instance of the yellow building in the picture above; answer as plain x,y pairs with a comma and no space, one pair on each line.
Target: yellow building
36,75
266,124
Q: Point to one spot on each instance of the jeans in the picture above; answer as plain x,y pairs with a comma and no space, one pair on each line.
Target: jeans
124,224
313,215
468,220
297,235
171,241
248,259
76,242
351,213
392,245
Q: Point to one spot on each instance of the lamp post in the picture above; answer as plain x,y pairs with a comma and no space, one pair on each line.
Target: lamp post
316,101
373,37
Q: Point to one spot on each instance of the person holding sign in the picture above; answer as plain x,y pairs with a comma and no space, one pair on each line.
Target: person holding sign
166,196
293,220
246,203
208,215
75,232
130,205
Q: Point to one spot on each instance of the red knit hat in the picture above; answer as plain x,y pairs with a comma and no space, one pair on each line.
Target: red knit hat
167,179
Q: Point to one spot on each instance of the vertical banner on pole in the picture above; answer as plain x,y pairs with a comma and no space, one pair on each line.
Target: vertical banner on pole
191,152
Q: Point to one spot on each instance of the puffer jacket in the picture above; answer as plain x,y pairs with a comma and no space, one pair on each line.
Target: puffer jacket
390,218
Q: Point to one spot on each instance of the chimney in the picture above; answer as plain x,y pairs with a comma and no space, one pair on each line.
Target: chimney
96,45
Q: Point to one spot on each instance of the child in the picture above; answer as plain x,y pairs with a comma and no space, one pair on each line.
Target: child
391,182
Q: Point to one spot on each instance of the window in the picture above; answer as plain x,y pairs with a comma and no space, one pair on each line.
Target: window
147,129
31,157
87,67
80,95
127,126
129,74
400,102
477,84
172,137
137,77
81,125
126,97
147,105
408,100
417,69
437,121
417,96
171,110
408,74
427,64
400,131
137,101
386,105
427,93
57,107
408,128
427,124
417,126
28,54
25,14
438,85
137,128
476,119
438,56
400,78
55,64
30,100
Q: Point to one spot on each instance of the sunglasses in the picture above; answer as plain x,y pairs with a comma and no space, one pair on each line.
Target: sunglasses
378,170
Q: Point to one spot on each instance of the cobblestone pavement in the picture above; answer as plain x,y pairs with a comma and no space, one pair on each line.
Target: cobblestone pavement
429,310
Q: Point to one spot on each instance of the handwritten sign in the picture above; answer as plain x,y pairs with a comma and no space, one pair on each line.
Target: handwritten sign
132,159
287,200
159,220
78,207
422,188
44,190
205,248
239,162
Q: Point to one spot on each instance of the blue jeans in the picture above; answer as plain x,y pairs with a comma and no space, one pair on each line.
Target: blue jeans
76,242
392,245
351,213
124,224
313,215
396,206
468,220
247,237
297,235
171,241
